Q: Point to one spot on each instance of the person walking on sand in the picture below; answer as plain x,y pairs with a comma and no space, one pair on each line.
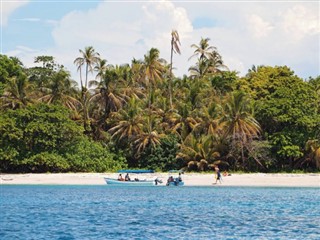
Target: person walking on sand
218,174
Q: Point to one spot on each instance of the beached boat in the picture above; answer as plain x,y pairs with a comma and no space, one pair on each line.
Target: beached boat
137,178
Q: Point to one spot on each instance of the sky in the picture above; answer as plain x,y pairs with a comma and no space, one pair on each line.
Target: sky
245,33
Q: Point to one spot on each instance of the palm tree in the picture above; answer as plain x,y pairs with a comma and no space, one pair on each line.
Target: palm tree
100,68
149,137
210,120
238,120
216,64
153,69
89,58
182,123
61,89
209,60
199,152
200,69
126,123
175,43
17,93
312,149
203,50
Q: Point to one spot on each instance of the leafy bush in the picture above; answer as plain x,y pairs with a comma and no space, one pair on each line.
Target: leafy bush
42,138
89,156
45,162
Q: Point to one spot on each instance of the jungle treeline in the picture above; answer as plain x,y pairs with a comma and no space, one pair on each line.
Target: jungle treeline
139,115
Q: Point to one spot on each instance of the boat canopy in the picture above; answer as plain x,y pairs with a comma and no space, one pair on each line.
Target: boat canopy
135,171
176,171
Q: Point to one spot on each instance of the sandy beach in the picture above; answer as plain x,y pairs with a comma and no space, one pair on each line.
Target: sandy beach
190,179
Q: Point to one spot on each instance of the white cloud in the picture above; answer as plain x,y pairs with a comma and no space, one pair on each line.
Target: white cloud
119,32
300,22
259,27
245,34
28,19
7,8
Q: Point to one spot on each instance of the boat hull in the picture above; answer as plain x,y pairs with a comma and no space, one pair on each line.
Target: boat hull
175,184
111,181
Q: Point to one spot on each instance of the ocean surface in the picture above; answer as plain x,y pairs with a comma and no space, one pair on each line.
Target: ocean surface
107,212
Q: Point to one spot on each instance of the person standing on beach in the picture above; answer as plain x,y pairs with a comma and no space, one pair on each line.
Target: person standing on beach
218,174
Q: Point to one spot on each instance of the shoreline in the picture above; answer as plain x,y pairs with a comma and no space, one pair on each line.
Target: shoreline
190,179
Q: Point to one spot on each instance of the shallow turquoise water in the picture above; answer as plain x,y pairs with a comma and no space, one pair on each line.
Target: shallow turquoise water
105,212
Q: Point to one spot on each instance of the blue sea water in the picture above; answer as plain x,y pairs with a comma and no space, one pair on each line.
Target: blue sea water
106,212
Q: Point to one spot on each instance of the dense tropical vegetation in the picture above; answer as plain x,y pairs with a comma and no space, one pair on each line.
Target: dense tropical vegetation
140,115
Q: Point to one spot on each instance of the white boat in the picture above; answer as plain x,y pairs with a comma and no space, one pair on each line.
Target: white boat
112,181
138,180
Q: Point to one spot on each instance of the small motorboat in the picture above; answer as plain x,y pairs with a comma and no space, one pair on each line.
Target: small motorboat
138,180
175,180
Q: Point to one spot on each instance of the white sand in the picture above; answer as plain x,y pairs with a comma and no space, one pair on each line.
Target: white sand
190,179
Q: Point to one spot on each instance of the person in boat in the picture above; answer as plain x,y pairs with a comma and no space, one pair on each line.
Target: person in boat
127,178
120,178
178,180
170,179
179,177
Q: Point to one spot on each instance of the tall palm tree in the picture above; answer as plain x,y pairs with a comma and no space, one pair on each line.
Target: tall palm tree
203,50
175,43
89,58
209,60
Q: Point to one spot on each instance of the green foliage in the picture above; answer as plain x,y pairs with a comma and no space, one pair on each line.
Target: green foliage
285,147
45,162
42,138
9,67
286,107
267,133
224,82
163,157
282,98
88,156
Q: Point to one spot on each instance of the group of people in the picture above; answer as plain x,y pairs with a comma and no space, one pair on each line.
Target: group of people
179,178
174,180
126,178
